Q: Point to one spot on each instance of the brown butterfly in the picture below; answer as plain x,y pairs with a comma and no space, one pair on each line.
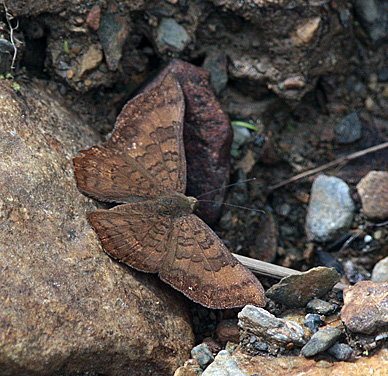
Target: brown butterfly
143,166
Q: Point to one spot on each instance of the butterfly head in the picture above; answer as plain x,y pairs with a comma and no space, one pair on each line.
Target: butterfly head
193,203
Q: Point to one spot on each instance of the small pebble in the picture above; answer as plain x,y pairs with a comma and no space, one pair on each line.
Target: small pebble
284,209
89,60
313,322
378,234
321,341
171,34
373,190
369,103
380,271
216,63
94,17
349,129
321,307
202,354
227,330
341,351
241,136
331,208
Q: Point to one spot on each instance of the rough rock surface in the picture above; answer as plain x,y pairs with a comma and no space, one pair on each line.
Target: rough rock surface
223,365
297,290
298,365
314,36
65,306
298,28
262,331
365,307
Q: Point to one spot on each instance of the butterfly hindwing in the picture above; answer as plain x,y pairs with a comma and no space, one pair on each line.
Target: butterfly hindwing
133,234
144,157
199,265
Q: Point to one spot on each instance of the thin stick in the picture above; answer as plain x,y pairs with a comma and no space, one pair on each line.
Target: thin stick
9,17
271,270
336,162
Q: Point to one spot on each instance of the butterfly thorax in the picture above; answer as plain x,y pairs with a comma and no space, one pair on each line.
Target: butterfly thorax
176,205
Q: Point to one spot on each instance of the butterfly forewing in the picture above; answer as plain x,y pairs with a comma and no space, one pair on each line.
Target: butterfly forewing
143,158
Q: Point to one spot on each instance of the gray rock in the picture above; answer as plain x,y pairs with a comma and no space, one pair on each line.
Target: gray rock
313,322
6,55
241,136
349,129
297,290
341,351
215,63
320,306
331,208
373,16
202,354
380,271
321,341
223,365
262,330
171,35
113,32
65,306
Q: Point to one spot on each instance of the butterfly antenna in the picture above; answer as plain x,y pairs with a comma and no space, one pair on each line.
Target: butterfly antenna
226,186
234,206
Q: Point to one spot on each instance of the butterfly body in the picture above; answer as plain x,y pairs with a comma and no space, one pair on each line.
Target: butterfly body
142,167
176,205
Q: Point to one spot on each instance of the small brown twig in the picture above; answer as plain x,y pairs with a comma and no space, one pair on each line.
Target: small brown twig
336,162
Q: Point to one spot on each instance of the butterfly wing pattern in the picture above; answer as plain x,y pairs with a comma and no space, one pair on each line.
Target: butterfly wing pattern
143,167
145,156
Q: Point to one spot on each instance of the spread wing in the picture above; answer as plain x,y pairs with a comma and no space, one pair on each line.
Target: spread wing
200,266
145,155
133,234
184,251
